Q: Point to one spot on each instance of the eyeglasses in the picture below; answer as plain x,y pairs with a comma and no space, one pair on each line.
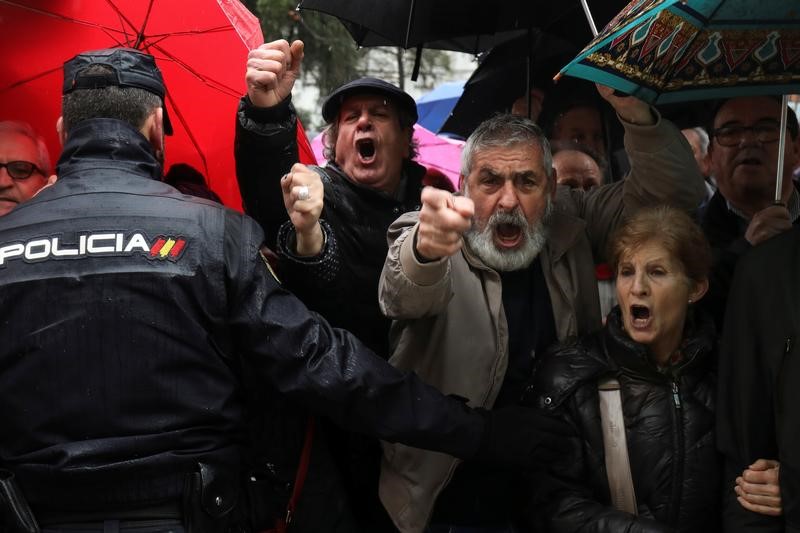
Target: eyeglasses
20,170
763,132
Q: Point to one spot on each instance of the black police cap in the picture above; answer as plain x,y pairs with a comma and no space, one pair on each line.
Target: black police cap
330,109
131,68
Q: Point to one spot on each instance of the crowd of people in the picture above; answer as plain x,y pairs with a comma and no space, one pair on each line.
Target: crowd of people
559,345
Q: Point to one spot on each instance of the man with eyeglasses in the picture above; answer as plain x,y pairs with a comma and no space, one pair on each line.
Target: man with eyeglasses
24,164
741,214
744,159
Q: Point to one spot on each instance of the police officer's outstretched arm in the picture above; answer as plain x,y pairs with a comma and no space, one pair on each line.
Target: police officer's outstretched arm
330,371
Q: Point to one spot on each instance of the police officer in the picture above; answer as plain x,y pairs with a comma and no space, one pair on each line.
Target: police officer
130,313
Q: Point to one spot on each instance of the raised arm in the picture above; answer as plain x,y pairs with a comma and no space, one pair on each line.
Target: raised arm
663,171
266,128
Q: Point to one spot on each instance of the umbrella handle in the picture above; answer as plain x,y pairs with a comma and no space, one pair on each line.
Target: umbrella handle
781,148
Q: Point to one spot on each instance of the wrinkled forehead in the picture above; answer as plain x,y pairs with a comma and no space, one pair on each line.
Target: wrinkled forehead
748,110
574,159
18,146
517,158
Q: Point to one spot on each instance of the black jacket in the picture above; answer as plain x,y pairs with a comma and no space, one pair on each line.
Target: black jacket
759,392
669,422
129,314
357,218
725,233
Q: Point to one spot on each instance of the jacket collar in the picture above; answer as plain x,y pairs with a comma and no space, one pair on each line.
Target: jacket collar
93,143
563,232
411,182
612,351
632,357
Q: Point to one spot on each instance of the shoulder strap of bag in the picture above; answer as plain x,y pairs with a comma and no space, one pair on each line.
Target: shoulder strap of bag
282,524
618,466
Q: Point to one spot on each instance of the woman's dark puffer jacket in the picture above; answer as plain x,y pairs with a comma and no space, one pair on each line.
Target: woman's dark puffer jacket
669,423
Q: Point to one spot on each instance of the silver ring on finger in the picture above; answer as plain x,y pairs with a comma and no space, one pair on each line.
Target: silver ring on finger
303,193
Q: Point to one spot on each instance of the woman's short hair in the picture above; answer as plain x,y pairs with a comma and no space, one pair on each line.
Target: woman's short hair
674,230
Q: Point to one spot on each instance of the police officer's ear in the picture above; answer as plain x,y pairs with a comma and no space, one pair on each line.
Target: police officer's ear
153,129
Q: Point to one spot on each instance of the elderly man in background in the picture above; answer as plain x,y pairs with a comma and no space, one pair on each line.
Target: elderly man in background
742,212
576,166
480,284
24,164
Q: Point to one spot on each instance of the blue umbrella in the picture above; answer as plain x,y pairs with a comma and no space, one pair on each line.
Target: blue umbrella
434,107
666,51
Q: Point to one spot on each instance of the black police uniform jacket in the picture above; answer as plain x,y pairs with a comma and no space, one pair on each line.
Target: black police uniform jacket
669,424
129,312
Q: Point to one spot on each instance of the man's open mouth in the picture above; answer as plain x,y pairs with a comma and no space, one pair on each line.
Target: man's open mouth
508,235
366,149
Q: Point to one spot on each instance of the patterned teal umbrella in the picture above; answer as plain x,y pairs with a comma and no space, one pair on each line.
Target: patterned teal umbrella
666,51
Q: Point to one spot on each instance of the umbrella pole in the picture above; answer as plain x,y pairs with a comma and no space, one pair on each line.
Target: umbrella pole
534,39
781,148
589,18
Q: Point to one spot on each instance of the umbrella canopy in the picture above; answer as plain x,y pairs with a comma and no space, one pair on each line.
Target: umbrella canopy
529,60
433,152
459,25
200,48
679,50
502,77
434,107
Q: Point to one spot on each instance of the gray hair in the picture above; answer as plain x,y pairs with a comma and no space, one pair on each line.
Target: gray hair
506,130
25,129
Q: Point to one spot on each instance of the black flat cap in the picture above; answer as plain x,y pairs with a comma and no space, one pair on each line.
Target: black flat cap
131,68
330,109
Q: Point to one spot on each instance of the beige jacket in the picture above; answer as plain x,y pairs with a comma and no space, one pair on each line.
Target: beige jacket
450,327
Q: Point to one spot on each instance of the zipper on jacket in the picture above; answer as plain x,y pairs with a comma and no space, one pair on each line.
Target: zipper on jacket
677,465
676,397
781,379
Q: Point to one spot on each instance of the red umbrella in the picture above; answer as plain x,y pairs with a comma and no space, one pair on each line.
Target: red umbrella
201,48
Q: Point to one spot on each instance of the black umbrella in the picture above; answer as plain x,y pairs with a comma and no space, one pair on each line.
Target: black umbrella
512,68
459,25
413,23
502,76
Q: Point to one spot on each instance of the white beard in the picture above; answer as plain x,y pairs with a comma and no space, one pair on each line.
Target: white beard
481,241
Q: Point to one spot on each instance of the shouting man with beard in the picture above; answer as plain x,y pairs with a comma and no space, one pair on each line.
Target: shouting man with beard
480,283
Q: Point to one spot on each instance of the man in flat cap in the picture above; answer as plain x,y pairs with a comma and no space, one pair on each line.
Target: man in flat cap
131,315
328,224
